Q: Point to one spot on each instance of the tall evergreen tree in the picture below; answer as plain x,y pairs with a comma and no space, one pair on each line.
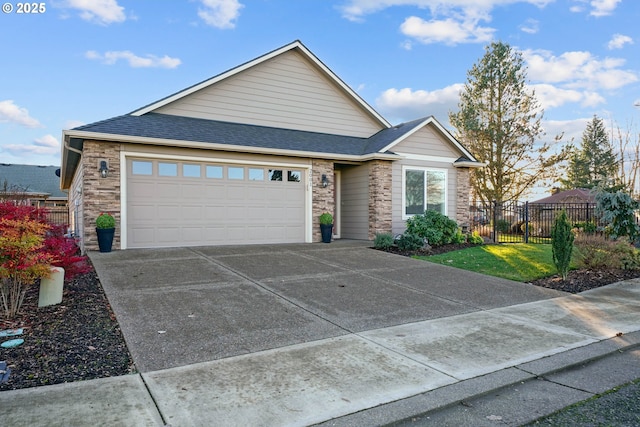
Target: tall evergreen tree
594,162
499,122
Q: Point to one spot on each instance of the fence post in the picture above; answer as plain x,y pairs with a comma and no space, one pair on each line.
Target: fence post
495,221
526,222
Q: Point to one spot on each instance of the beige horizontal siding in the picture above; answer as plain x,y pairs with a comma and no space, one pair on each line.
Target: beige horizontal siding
427,142
355,202
286,92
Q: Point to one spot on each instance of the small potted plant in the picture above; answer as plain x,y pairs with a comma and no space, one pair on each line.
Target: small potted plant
105,229
326,227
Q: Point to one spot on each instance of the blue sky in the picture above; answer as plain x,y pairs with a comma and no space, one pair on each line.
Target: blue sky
80,61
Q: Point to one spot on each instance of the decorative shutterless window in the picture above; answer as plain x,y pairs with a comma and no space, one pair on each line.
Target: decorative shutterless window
424,189
191,170
294,176
214,172
141,167
234,172
167,169
256,174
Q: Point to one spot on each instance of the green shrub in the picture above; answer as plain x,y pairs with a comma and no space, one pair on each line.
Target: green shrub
475,238
105,220
562,243
585,226
410,242
618,211
503,226
436,228
597,252
383,241
459,237
326,218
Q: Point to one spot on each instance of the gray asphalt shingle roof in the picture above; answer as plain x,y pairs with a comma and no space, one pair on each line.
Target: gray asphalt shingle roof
164,126
31,179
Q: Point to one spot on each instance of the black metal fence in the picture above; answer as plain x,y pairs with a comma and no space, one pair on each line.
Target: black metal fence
513,221
58,215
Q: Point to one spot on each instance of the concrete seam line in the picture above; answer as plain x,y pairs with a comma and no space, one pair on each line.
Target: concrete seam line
155,403
267,289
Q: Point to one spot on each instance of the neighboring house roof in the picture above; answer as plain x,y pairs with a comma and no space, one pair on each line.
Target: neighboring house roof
577,195
33,180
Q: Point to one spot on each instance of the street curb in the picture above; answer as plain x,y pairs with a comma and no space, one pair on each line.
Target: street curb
421,405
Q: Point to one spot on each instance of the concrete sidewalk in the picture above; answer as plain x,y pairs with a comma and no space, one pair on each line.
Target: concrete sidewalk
339,335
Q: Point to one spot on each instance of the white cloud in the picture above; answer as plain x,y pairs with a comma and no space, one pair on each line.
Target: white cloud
71,124
103,12
451,21
618,41
530,26
449,31
220,13
603,7
10,112
407,104
354,10
135,61
45,145
578,69
550,96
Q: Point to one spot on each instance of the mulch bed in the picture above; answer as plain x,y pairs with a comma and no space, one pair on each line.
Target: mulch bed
80,339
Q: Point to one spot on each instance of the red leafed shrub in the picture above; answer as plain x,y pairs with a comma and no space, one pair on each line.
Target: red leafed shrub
63,249
65,252
22,260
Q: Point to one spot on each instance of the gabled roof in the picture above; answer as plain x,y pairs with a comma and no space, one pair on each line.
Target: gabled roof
38,181
386,139
155,128
296,45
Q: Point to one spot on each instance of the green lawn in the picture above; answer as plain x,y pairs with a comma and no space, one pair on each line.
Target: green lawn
515,261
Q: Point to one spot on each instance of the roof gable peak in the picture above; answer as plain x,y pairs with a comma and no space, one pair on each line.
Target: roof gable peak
295,45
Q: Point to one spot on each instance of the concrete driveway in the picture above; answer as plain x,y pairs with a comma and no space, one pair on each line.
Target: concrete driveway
339,335
182,306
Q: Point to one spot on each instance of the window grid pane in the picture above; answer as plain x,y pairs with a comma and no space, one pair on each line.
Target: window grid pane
235,172
139,167
167,169
414,192
256,174
214,172
191,171
293,176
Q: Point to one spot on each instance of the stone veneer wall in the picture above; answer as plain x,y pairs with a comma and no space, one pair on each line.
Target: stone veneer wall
463,197
100,194
322,198
380,204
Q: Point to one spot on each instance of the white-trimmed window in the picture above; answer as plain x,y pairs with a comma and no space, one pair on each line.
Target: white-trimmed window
423,189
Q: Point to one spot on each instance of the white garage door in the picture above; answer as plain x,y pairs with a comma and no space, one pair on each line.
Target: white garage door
178,203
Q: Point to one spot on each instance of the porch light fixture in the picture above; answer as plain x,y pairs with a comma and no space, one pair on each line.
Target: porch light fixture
325,181
104,170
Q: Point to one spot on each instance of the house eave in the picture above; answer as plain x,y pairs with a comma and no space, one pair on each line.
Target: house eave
128,139
469,164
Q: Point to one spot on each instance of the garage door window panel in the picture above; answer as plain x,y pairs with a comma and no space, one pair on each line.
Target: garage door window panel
235,173
275,174
256,174
139,167
191,171
167,169
214,172
294,176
